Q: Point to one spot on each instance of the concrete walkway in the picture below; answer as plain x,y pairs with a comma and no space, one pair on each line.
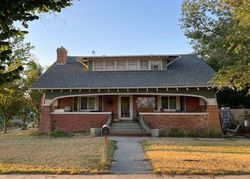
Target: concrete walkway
129,156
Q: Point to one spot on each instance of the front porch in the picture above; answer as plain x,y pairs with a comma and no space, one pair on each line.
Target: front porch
158,111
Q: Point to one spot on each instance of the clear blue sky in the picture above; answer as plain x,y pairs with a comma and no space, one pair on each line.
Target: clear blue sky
110,27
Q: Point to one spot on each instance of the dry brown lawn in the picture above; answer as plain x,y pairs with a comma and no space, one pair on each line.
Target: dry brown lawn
192,156
21,152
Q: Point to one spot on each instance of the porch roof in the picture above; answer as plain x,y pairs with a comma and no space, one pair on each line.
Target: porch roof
186,71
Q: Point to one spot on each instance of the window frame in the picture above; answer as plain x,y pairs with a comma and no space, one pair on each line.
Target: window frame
87,109
137,62
140,66
94,65
168,98
159,64
106,67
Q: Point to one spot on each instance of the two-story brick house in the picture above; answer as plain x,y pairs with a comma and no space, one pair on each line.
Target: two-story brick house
167,91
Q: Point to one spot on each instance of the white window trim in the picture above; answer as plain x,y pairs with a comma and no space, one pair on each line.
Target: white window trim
177,107
79,103
126,69
93,66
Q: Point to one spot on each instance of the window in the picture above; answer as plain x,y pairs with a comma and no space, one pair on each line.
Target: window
168,102
155,64
121,65
172,102
146,102
87,103
110,65
164,102
143,64
98,65
132,64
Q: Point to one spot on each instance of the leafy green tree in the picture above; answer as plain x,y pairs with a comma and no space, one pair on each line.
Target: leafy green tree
23,12
11,99
31,74
16,100
219,33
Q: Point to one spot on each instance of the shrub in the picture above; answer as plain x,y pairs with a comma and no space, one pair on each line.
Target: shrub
173,133
204,132
59,133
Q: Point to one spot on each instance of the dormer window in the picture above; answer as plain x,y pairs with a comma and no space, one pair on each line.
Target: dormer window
98,65
121,65
110,65
132,64
143,64
113,64
155,64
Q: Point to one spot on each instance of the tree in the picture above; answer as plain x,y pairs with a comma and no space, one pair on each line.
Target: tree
11,99
16,100
219,33
23,12
31,74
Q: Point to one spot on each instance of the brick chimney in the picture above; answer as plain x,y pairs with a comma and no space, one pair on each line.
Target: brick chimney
61,56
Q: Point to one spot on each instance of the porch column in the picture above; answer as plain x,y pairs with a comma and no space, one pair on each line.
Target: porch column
213,117
45,124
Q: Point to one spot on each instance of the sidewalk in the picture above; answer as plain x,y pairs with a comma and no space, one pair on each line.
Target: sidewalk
129,156
132,176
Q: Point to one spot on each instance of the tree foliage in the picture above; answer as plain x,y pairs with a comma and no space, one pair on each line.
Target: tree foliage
16,100
11,100
23,12
219,33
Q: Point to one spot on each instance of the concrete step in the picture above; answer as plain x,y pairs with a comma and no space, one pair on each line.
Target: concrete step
135,134
125,126
125,130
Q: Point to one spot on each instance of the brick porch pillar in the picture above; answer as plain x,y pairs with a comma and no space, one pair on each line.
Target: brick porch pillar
45,124
213,117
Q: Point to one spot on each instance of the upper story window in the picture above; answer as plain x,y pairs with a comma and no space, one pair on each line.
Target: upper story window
121,65
110,65
143,64
98,65
132,64
155,64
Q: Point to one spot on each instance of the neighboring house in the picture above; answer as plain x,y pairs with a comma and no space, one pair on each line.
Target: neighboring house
166,91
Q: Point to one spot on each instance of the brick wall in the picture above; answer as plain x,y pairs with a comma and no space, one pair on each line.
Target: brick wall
77,122
213,117
110,104
184,122
193,104
45,120
62,102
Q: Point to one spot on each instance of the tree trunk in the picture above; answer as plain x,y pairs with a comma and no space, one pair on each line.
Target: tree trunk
23,117
5,125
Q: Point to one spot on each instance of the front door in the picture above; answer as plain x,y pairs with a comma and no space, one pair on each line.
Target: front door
125,108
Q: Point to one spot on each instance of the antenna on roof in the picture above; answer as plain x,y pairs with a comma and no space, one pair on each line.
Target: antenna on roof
93,52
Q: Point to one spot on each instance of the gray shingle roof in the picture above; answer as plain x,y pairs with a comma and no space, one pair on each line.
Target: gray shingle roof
187,71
